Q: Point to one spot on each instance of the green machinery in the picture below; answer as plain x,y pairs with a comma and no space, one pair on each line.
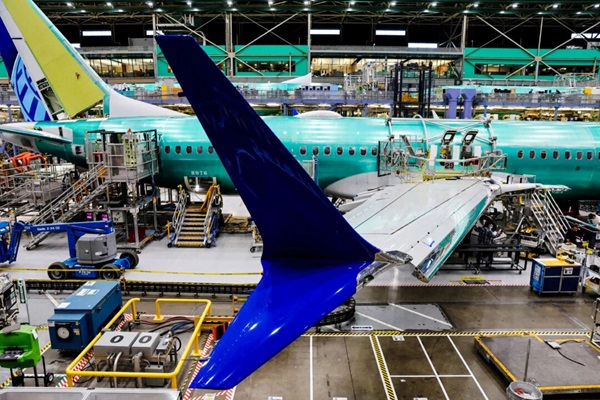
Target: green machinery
20,349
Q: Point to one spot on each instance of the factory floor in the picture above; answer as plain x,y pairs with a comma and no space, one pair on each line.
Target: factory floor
408,340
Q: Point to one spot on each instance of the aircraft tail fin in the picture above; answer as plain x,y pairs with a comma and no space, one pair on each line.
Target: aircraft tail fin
311,256
67,85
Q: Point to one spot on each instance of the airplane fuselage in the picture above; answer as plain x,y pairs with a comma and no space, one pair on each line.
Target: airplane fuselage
348,148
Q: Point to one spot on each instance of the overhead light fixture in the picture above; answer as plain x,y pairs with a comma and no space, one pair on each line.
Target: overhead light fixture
159,10
434,4
151,33
475,5
393,3
352,3
515,5
189,3
324,31
109,4
76,45
596,5
150,4
388,32
423,45
271,2
96,33
555,6
230,3
69,4
502,12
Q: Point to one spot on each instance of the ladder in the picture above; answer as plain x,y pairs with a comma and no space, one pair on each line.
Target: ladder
66,206
192,233
198,226
549,219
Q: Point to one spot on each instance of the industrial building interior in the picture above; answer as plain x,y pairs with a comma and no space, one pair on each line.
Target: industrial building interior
414,215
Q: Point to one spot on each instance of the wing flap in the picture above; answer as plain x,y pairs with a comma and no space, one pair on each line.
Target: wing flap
426,220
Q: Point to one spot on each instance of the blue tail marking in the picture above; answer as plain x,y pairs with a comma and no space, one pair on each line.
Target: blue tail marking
28,96
311,255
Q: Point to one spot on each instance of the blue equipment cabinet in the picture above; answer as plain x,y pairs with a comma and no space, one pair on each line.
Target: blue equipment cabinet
551,275
78,319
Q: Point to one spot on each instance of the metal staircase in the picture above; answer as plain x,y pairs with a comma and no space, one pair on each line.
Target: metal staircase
197,226
66,206
549,218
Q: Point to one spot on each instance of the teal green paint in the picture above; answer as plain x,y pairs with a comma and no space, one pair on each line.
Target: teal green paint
513,136
520,57
3,72
248,54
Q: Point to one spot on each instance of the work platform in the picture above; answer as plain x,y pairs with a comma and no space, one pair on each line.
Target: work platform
570,369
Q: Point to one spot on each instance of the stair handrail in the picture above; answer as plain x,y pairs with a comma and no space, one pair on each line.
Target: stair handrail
212,201
178,214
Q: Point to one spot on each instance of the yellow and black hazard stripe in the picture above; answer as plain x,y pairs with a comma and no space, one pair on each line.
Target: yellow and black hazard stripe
385,374
451,333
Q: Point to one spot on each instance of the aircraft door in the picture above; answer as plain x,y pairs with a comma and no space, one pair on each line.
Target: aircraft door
467,150
446,149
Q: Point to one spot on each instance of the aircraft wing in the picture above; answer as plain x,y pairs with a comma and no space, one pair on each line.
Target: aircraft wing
313,259
426,220
26,137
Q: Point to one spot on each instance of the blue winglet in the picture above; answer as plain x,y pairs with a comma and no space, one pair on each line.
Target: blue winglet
311,255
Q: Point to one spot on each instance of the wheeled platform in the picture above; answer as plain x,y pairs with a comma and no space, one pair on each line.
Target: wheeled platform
572,368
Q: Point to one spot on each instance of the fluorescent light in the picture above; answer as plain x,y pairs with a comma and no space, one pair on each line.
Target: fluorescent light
475,5
76,45
393,3
423,45
324,31
433,4
515,5
585,35
555,6
109,4
69,4
151,33
383,32
96,33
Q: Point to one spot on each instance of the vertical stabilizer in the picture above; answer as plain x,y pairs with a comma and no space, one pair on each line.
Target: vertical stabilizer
67,85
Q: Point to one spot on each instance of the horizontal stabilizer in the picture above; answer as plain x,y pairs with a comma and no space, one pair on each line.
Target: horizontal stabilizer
26,134
311,256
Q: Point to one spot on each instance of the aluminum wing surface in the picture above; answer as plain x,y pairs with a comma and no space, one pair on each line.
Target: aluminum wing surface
312,257
427,220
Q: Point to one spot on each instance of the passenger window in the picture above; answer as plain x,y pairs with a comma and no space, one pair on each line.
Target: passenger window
363,151
532,154
178,149
567,155
168,150
590,155
210,149
315,151
327,150
188,149
579,155
199,149
520,154
555,154
303,150
374,151
543,154
340,151
351,150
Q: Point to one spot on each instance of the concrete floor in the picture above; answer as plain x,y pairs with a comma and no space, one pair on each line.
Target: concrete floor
430,355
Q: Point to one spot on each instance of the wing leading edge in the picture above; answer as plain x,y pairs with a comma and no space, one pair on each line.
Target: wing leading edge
312,258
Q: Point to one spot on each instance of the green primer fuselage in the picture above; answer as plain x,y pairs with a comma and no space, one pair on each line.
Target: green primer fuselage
180,139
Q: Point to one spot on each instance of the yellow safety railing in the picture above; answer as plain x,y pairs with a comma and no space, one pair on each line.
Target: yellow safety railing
157,375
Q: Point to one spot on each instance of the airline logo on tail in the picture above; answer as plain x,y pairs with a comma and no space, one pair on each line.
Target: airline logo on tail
29,99
65,84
